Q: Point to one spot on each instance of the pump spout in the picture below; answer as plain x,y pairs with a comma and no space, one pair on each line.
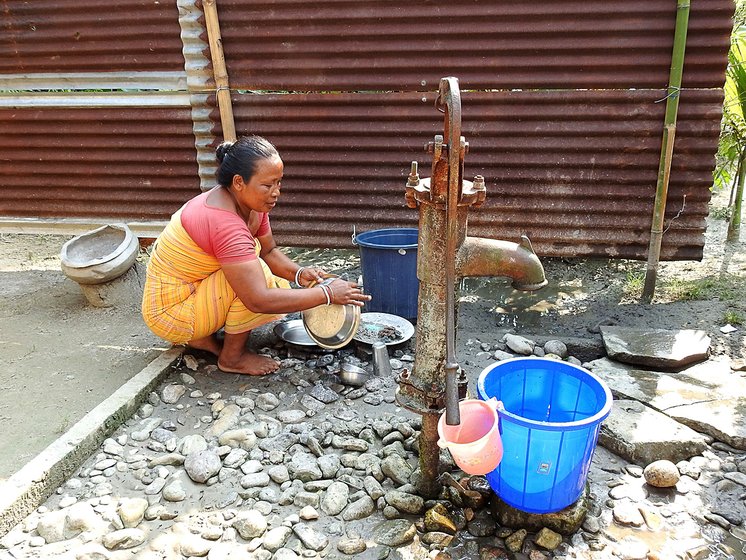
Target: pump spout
491,257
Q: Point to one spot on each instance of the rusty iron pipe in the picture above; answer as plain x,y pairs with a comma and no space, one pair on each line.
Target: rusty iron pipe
493,257
450,97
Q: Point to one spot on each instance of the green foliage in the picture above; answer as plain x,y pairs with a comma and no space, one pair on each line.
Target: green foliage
724,287
732,145
634,283
732,317
720,213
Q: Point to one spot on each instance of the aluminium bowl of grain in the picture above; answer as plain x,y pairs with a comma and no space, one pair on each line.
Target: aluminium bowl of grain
331,326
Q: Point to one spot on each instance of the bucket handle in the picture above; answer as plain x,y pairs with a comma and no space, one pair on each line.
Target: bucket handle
354,235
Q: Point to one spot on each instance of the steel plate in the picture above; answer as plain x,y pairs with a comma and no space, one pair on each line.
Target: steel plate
294,332
371,325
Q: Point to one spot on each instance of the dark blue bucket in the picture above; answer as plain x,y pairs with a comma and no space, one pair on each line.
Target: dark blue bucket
549,427
388,258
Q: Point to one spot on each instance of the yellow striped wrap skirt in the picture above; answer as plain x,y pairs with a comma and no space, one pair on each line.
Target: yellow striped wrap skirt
187,295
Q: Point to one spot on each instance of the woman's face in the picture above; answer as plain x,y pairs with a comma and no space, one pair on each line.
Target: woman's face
261,192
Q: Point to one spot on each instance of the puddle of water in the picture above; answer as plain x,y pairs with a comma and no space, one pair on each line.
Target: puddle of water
518,309
667,543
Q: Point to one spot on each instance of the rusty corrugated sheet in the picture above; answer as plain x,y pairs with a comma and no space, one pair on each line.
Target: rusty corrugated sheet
94,36
576,170
199,81
386,45
127,163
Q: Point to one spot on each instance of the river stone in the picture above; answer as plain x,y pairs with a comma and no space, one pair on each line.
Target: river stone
335,498
243,438
737,477
267,401
191,444
514,542
281,442
227,419
661,474
254,480
324,394
194,545
396,468
250,524
556,347
548,539
174,491
235,458
308,513
123,539
172,393
626,513
92,551
373,487
131,511
395,532
329,465
143,429
352,546
404,502
359,509
442,540
275,539
291,416
304,467
482,525
519,344
310,537
279,474
51,526
172,459
437,519
202,465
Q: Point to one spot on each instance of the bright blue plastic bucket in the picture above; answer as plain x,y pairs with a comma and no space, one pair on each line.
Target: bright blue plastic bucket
549,427
388,258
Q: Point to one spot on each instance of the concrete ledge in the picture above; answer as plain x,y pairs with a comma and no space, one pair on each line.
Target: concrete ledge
39,478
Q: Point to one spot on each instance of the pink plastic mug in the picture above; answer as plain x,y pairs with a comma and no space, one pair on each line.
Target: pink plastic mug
475,443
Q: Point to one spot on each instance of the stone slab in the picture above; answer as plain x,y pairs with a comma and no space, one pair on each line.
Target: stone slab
707,397
29,487
656,348
642,435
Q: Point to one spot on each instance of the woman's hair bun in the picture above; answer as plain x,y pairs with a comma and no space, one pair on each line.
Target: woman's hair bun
222,150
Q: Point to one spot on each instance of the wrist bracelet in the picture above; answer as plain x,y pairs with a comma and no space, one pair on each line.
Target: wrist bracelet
298,273
325,289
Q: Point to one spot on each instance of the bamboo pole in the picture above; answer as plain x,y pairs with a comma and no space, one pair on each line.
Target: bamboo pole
669,131
220,74
734,225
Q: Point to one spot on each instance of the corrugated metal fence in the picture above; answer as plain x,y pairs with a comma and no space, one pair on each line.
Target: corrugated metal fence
563,106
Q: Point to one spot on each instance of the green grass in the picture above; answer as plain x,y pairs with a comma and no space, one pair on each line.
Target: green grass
725,288
720,213
633,283
733,318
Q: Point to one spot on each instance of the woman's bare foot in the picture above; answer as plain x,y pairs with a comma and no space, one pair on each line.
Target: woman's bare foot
208,344
248,363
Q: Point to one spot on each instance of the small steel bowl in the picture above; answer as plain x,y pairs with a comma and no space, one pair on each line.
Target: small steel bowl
353,375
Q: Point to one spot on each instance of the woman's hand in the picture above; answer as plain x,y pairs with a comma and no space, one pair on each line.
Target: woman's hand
310,274
343,292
